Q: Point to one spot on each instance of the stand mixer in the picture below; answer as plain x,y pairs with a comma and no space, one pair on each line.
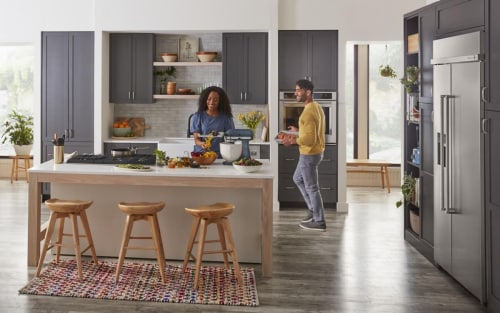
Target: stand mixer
233,135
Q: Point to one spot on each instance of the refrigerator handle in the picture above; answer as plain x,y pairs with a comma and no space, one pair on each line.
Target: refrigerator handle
441,151
449,157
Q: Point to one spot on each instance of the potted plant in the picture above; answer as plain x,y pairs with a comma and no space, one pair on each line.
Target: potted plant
387,71
18,130
408,189
410,79
163,75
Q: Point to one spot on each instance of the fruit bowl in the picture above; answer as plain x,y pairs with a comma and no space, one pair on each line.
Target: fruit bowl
204,160
121,132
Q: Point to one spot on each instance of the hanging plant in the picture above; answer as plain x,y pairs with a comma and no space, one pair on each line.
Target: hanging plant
387,71
410,79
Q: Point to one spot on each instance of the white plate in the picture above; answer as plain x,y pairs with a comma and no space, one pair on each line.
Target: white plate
145,169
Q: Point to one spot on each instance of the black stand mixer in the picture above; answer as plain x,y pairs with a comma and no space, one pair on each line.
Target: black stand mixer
243,135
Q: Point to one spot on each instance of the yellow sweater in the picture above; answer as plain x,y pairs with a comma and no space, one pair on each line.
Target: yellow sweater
311,139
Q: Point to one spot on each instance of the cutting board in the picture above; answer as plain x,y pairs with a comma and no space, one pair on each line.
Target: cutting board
137,124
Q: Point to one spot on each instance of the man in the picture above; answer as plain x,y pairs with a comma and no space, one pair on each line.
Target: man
311,142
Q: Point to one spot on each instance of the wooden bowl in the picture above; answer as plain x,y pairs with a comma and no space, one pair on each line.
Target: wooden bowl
184,90
169,57
204,160
206,56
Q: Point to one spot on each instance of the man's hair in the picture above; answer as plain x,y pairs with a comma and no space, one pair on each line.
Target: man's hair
305,84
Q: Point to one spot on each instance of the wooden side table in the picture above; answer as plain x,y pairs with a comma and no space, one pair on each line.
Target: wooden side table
16,167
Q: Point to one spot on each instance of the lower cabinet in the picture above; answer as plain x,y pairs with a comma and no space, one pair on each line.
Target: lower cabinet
288,193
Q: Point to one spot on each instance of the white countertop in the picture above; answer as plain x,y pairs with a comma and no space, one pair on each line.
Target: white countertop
156,140
216,170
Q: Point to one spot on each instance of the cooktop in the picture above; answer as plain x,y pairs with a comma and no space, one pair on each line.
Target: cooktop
145,159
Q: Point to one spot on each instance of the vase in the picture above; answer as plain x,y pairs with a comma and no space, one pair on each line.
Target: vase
23,150
253,133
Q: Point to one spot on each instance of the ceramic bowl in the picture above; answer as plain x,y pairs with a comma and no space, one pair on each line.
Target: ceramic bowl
121,132
247,169
206,56
169,57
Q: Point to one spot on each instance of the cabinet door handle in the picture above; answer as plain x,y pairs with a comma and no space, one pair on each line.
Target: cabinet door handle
485,126
483,94
289,159
289,188
129,96
325,188
245,96
133,95
241,96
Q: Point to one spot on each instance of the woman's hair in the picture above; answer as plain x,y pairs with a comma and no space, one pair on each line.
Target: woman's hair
224,105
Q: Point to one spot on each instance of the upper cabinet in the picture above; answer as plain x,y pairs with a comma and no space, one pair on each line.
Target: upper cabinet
311,55
245,67
131,68
459,15
67,103
427,31
491,94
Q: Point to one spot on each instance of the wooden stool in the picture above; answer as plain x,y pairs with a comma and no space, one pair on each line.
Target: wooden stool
70,209
205,215
136,212
16,167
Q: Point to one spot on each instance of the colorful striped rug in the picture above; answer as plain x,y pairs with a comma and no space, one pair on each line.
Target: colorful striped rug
142,282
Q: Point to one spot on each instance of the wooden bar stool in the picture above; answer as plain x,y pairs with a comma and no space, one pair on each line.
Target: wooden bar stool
61,209
205,215
136,212
16,167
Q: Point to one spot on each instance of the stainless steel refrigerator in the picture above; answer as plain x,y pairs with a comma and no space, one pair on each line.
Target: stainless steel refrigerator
458,154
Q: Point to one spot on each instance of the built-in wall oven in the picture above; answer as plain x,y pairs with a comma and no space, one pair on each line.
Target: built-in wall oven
290,110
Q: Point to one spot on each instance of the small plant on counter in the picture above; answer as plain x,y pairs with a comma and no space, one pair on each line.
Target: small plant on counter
163,75
408,189
251,119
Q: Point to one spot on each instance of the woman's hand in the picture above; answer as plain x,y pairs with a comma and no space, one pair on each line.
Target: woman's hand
293,129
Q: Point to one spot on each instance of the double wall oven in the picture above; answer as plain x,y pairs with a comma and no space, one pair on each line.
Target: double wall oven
290,110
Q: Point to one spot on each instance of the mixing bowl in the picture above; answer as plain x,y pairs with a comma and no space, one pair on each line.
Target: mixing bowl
230,151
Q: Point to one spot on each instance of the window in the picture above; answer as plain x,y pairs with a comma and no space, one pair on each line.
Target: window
16,84
382,129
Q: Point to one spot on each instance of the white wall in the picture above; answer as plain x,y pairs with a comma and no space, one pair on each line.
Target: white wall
356,20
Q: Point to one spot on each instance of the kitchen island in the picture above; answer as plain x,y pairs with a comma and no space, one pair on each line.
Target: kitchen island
107,185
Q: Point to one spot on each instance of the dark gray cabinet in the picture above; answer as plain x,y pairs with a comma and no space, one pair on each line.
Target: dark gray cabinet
459,15
492,92
492,155
288,194
427,31
492,206
131,78
311,55
245,67
67,93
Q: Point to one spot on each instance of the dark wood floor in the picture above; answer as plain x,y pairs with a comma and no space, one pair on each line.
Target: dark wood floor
360,264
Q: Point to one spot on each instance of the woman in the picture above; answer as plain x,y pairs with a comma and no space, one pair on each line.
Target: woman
214,115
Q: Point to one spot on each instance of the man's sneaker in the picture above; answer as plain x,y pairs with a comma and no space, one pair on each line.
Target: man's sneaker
313,226
308,218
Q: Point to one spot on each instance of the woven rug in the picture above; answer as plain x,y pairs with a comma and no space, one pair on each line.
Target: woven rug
142,282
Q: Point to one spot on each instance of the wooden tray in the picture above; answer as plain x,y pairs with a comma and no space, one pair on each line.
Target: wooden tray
137,125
